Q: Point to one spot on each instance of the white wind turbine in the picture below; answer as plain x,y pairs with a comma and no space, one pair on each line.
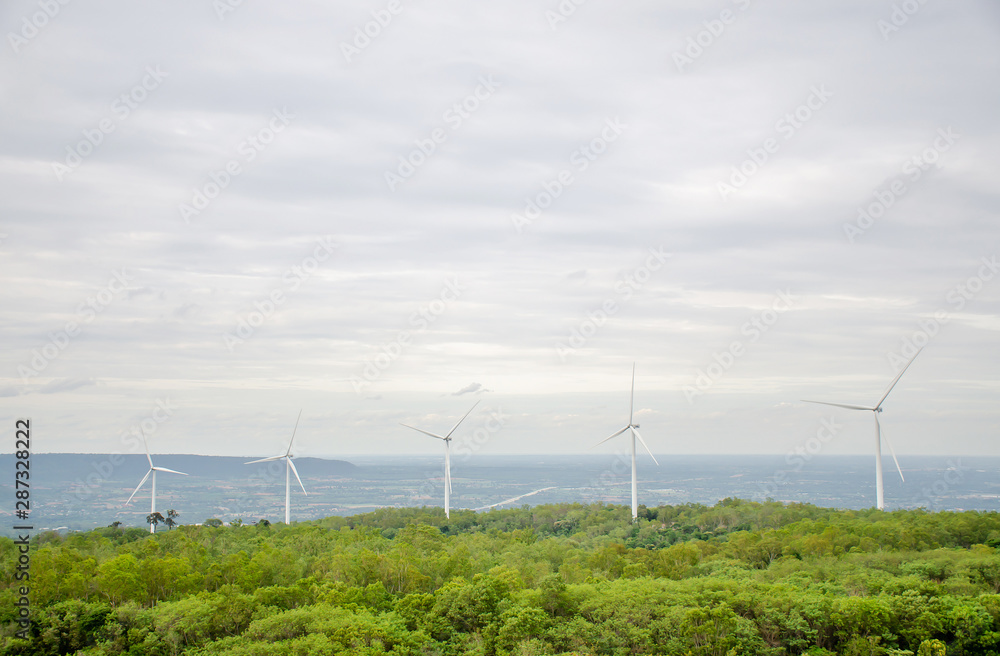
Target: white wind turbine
877,408
633,429
447,456
289,467
152,471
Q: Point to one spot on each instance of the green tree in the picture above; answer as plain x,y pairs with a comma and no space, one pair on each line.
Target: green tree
119,579
932,648
154,518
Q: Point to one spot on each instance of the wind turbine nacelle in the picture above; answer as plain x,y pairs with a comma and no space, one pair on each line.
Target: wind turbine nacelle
635,425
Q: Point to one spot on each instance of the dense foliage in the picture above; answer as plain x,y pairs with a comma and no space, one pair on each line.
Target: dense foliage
736,578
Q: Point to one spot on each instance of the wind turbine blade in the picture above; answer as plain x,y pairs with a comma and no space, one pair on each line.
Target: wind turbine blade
447,471
146,444
172,471
254,462
889,444
462,419
898,376
608,438
841,405
643,443
421,430
288,451
631,396
295,471
141,483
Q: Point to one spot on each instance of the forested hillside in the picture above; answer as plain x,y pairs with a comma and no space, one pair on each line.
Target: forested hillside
736,578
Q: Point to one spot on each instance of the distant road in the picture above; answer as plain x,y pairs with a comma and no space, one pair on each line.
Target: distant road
512,499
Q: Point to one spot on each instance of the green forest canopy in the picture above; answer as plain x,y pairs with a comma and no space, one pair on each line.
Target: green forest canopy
736,578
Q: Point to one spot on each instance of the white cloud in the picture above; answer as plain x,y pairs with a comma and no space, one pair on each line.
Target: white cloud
654,186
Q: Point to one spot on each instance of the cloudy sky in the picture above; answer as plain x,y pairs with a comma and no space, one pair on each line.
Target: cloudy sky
214,216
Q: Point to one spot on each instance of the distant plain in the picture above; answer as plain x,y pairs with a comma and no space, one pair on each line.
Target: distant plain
69,489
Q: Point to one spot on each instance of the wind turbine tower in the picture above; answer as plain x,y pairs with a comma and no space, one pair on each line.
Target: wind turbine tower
447,456
152,472
633,429
875,410
289,469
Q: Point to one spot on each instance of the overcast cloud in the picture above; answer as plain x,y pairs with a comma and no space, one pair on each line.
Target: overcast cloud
237,214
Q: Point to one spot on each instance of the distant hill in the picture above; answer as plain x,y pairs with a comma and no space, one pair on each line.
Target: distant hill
51,468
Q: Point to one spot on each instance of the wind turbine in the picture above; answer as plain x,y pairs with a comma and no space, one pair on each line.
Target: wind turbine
447,456
633,429
876,409
152,471
289,467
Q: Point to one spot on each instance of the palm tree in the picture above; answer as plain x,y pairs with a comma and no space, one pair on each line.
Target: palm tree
153,519
171,520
